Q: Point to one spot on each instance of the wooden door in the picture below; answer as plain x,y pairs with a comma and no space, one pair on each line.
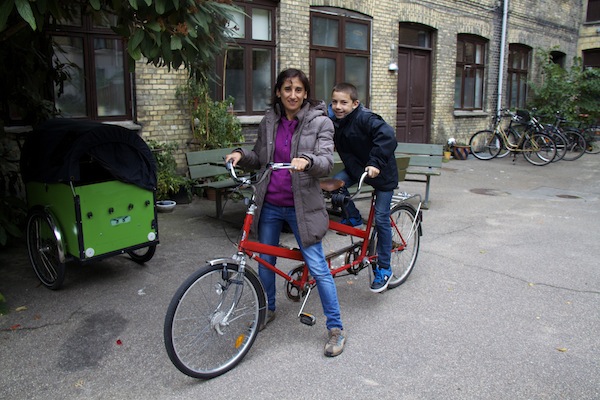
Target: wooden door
414,95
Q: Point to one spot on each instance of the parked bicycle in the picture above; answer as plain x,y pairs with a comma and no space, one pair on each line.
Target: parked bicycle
215,315
538,148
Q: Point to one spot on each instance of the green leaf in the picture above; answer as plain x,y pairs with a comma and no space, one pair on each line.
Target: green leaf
95,4
148,2
133,4
137,38
153,26
176,43
160,6
5,10
25,11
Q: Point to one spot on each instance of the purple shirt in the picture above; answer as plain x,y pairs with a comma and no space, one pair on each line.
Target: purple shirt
279,190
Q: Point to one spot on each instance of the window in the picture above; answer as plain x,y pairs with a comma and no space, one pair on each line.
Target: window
593,11
249,62
98,86
470,72
558,58
591,58
518,65
340,51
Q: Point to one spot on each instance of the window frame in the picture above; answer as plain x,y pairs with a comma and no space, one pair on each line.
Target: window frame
340,52
464,40
88,33
247,44
520,73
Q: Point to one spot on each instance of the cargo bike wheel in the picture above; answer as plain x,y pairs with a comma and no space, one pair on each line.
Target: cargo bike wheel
142,255
213,319
45,248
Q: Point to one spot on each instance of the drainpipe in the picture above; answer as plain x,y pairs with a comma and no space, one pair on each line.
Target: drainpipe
502,51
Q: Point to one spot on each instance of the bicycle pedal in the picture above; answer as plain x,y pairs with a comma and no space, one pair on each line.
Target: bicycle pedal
308,319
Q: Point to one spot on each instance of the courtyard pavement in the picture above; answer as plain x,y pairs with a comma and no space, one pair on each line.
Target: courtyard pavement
504,303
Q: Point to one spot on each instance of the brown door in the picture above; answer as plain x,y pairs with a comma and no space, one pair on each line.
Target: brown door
414,95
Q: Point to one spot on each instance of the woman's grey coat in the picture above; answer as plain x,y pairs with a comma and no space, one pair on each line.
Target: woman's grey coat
312,139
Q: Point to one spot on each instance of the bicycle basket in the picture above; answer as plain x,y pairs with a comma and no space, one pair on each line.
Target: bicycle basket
523,117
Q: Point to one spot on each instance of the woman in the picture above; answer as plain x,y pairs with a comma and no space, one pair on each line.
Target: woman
295,130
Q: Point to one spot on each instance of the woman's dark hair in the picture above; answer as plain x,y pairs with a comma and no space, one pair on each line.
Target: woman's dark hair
289,74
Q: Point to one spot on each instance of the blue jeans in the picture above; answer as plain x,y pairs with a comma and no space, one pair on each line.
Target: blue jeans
269,229
383,201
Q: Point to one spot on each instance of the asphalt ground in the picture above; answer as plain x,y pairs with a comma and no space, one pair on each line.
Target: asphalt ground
504,303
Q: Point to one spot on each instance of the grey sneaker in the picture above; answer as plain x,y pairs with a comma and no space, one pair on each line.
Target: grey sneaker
335,344
268,318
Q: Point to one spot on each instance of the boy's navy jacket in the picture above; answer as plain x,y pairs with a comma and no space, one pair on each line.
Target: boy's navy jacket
363,138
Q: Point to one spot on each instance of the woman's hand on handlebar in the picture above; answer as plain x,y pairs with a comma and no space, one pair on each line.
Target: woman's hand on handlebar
299,164
234,158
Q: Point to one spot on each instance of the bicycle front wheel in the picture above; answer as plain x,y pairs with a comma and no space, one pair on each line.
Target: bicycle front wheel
539,149
485,145
213,319
406,239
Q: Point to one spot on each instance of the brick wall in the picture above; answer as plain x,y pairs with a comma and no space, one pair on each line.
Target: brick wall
538,24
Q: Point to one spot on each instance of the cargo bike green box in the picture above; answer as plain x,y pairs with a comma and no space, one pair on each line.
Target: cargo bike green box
90,193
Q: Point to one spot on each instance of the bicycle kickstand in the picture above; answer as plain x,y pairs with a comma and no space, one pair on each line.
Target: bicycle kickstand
306,318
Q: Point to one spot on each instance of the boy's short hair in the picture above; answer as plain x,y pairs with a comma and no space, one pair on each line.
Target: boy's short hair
347,88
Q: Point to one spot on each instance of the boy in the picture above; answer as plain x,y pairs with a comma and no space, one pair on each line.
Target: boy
365,142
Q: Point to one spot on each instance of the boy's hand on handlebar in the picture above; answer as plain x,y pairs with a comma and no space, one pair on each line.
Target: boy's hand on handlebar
234,158
372,171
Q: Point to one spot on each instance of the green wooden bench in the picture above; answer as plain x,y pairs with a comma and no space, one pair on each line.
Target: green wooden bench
425,162
207,170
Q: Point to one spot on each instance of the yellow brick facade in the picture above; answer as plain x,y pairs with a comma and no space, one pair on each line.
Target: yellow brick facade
540,24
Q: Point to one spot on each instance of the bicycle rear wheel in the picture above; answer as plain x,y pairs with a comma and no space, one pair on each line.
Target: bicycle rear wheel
539,149
592,139
485,145
213,320
575,145
406,239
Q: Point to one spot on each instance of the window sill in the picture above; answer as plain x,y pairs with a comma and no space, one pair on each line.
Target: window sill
250,119
470,114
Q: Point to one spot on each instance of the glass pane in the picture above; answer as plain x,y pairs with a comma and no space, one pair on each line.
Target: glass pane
104,20
522,90
356,73
110,76
261,24
469,53
478,88
469,89
237,25
235,84
457,87
324,79
69,50
261,79
413,36
357,36
325,32
514,89
479,54
75,21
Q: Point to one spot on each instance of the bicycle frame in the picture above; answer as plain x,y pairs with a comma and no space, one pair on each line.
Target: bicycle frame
252,248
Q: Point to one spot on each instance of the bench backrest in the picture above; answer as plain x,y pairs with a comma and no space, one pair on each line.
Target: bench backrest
421,154
214,156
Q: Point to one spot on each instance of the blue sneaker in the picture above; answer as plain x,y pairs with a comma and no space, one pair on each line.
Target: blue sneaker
352,221
381,279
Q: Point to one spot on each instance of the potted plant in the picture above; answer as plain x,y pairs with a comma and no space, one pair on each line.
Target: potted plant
460,150
214,124
170,185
